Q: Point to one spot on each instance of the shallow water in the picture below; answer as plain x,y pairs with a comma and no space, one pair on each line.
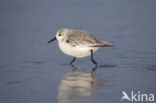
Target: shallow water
32,71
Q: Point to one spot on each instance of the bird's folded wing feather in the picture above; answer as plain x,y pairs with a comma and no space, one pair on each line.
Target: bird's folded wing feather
81,38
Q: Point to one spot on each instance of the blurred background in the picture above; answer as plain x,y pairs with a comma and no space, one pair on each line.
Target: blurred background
33,71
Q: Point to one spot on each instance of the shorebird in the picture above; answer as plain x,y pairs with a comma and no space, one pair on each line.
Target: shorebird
78,44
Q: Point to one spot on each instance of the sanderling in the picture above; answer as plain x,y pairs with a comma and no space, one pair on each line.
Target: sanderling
78,43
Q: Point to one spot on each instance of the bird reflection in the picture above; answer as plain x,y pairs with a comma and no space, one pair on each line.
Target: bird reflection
78,86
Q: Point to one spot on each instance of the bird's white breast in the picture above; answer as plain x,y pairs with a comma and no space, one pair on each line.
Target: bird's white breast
76,51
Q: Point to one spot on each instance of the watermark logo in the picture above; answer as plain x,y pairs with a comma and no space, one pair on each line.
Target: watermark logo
137,96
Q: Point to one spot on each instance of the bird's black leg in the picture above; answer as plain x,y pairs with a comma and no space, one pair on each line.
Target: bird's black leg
92,57
72,60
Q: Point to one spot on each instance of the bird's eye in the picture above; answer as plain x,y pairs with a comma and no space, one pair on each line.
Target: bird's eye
60,34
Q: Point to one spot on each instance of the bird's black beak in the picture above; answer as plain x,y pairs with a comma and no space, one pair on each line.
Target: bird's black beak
52,40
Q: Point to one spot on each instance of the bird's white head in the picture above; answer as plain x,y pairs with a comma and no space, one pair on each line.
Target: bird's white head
61,35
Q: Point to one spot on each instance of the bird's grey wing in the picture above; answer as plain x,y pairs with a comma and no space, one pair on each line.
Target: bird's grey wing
79,38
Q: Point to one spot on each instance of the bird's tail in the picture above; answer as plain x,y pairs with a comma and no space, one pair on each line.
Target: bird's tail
102,43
